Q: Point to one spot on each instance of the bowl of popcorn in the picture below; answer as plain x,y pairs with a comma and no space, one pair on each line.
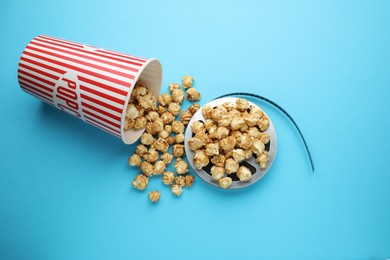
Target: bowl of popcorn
230,143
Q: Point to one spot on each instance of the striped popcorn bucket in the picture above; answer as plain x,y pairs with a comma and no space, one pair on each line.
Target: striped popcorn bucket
90,83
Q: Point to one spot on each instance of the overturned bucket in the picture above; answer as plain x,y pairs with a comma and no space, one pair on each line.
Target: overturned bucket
90,83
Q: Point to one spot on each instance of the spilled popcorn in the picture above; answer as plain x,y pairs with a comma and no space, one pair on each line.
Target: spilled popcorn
163,131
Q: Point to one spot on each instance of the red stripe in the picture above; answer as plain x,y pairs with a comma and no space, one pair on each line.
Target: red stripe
102,128
39,71
117,118
36,90
119,73
107,87
98,75
87,57
90,52
39,97
25,88
103,95
61,40
101,103
102,124
43,65
35,84
101,118
123,55
37,78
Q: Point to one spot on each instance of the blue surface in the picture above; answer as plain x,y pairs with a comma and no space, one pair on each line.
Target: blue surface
64,185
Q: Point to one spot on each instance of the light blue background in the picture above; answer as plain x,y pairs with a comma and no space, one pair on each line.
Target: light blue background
64,185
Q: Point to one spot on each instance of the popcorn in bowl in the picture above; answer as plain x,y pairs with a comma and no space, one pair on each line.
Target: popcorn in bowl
230,143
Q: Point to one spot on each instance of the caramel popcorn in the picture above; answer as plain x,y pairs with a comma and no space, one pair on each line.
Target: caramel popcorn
176,189
209,123
242,104
170,140
146,168
163,134
139,123
131,112
225,182
158,125
129,123
189,180
256,111
195,144
228,143
225,120
161,145
264,123
218,160
264,138
254,132
159,122
244,174
186,117
222,132
135,160
250,120
167,118
179,138
200,159
140,182
177,127
161,110
168,128
206,111
198,127
178,150
248,154
174,108
167,158
237,122
245,141
218,113
154,196
141,150
180,180
173,86
178,95
147,101
211,149
203,137
228,105
180,166
263,157
147,139
164,99
168,178
159,168
151,155
231,166
187,81
149,128
217,172
239,155
258,147
193,94
194,108
213,132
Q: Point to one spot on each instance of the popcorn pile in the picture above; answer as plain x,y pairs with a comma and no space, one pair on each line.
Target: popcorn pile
162,132
141,102
231,134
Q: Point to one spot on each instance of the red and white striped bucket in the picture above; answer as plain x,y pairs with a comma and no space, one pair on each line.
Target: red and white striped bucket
90,83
